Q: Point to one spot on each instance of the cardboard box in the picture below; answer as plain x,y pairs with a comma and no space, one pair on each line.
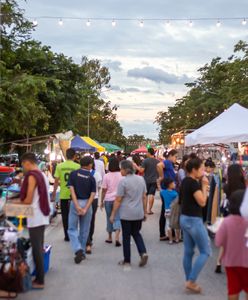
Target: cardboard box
16,210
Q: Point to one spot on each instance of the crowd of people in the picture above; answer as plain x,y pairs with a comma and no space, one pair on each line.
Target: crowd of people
125,187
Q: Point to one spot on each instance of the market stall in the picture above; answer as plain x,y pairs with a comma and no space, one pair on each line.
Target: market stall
228,127
142,150
79,144
111,148
94,144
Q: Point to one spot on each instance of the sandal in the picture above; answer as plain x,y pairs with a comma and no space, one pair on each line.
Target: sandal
193,288
8,295
151,213
165,238
117,244
108,242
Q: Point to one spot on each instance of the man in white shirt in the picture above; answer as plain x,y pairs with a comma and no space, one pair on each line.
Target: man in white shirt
99,165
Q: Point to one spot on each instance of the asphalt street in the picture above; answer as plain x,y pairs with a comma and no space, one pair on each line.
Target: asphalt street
100,277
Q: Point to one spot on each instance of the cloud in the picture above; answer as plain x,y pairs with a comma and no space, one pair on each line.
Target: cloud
157,75
114,65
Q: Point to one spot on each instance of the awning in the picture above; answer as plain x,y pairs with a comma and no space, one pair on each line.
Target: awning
111,148
78,144
94,144
228,127
141,150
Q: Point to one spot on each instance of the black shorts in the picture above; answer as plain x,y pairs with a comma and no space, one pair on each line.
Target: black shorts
151,188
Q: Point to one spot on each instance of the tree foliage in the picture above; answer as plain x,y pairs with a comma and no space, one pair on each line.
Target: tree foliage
43,92
220,84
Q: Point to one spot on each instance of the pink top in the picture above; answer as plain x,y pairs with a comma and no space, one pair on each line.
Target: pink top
110,183
232,236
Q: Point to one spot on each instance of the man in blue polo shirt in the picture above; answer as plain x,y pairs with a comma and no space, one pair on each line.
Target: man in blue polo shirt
83,189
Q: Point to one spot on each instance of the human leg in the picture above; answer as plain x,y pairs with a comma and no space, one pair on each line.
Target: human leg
84,225
234,283
65,208
108,208
92,224
135,232
199,234
189,246
162,222
36,238
73,228
126,239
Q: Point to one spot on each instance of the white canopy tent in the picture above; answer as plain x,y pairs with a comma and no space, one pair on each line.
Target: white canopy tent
229,127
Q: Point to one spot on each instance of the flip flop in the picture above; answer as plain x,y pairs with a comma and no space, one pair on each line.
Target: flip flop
108,242
9,295
151,213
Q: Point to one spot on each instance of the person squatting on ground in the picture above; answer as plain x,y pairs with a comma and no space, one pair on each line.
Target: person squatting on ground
83,189
131,203
193,198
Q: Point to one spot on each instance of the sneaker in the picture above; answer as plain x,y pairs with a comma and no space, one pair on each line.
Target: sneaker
143,260
79,256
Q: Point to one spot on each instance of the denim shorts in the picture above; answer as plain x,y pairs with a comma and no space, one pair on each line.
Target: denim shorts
117,222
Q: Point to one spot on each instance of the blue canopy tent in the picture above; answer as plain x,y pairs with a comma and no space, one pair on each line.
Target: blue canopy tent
78,144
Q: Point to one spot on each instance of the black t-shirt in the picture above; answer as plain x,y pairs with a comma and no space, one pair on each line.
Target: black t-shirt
83,182
189,205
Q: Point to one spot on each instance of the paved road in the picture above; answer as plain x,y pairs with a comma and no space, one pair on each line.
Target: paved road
100,278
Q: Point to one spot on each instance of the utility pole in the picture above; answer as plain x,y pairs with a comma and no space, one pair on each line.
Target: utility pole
88,125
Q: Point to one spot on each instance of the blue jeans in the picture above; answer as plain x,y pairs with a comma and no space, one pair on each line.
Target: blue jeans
117,222
194,235
79,238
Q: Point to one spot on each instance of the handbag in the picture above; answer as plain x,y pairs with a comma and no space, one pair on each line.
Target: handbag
175,214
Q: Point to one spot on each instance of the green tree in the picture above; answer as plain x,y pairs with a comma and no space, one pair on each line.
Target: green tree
220,84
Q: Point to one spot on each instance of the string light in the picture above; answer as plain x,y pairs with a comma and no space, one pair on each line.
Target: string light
35,22
141,24
218,24
61,22
88,23
244,22
113,23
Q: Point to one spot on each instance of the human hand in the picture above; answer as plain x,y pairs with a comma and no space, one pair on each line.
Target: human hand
53,197
145,217
112,219
205,181
101,205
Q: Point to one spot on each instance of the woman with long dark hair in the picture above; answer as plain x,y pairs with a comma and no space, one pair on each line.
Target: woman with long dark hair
235,181
193,197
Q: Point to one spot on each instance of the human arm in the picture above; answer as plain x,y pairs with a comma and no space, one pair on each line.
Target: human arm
145,206
160,170
75,200
244,206
201,195
117,205
30,192
103,195
55,187
221,235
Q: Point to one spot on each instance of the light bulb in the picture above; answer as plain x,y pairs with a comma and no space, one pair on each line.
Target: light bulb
191,23
244,22
35,23
218,24
88,23
113,23
141,23
61,22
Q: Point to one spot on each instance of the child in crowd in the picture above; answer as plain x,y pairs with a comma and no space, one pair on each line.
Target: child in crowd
232,236
168,195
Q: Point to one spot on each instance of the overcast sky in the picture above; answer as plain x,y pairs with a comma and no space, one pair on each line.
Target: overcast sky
148,65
